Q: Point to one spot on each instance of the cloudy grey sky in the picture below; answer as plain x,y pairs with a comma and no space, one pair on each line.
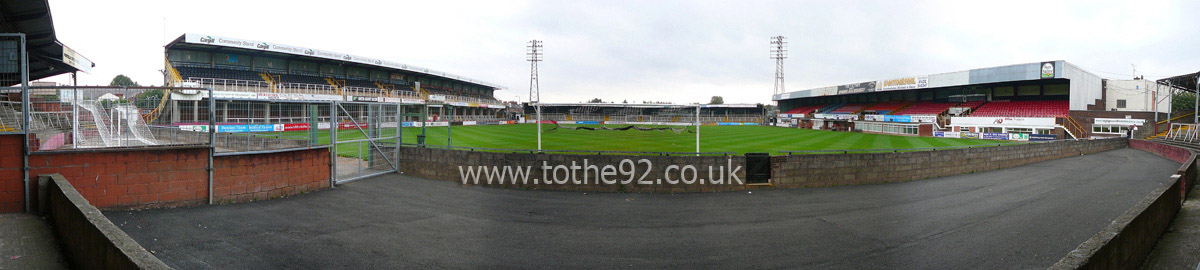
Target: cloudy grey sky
679,51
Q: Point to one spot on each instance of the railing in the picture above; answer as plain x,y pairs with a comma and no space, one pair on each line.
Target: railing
1184,132
233,85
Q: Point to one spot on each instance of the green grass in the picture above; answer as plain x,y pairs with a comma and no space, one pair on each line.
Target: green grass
739,139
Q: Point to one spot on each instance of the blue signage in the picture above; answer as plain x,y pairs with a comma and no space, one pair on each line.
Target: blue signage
1042,137
993,136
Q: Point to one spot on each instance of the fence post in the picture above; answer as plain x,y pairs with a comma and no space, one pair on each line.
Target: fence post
212,140
333,147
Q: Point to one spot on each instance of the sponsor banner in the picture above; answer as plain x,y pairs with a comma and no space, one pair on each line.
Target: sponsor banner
504,122
437,98
875,117
235,95
587,122
246,128
411,101
351,125
293,127
969,135
836,116
364,99
924,118
728,124
326,97
1047,70
1003,121
1018,137
898,118
614,122
947,134
1042,137
853,88
324,125
1119,121
437,124
993,136
469,123
72,58
904,83
472,104
749,124
195,128
459,104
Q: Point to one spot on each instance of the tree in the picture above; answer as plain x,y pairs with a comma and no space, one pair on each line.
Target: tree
717,100
1183,103
595,100
122,80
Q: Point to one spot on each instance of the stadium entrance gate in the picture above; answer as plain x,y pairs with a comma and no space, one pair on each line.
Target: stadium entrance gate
366,139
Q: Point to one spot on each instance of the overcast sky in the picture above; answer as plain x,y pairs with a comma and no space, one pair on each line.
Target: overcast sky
679,51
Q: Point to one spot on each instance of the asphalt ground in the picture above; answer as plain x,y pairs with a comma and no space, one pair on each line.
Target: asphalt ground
1023,217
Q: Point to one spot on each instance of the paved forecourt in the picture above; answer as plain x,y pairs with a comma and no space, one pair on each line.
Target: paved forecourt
1022,217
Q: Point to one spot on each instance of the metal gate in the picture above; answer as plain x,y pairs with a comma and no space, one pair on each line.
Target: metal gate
365,138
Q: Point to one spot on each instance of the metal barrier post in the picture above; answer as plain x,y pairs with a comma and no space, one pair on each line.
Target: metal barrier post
333,127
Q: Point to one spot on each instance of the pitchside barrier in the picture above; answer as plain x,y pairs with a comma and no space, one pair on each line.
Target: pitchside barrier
791,171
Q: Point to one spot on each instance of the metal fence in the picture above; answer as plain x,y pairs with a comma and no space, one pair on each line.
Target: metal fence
88,117
366,136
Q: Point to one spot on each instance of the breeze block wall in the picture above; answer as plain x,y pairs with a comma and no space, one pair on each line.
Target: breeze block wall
243,178
12,198
826,170
443,164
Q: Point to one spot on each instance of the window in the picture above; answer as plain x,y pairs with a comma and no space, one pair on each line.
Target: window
1120,103
993,129
964,129
1109,129
1020,130
1045,131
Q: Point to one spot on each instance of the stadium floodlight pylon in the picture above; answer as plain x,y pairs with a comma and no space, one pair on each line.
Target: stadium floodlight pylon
779,52
534,55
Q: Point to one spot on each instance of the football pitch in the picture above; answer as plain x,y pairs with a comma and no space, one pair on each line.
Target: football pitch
738,139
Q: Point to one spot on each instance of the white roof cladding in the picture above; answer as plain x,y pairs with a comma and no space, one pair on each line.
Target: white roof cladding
1085,86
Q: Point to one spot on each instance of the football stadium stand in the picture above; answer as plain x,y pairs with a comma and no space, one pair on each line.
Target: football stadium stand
925,108
849,108
886,107
1040,108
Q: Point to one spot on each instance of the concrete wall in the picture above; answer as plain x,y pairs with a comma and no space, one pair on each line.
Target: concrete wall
872,168
1126,242
89,239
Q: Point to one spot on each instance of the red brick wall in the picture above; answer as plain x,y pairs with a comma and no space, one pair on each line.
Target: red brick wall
12,199
132,178
1178,154
265,176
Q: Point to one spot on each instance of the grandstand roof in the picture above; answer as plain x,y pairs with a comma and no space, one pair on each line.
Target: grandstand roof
199,41
1019,72
1186,81
47,56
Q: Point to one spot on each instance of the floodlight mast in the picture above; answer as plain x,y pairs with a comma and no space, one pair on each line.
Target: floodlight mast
779,52
533,54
